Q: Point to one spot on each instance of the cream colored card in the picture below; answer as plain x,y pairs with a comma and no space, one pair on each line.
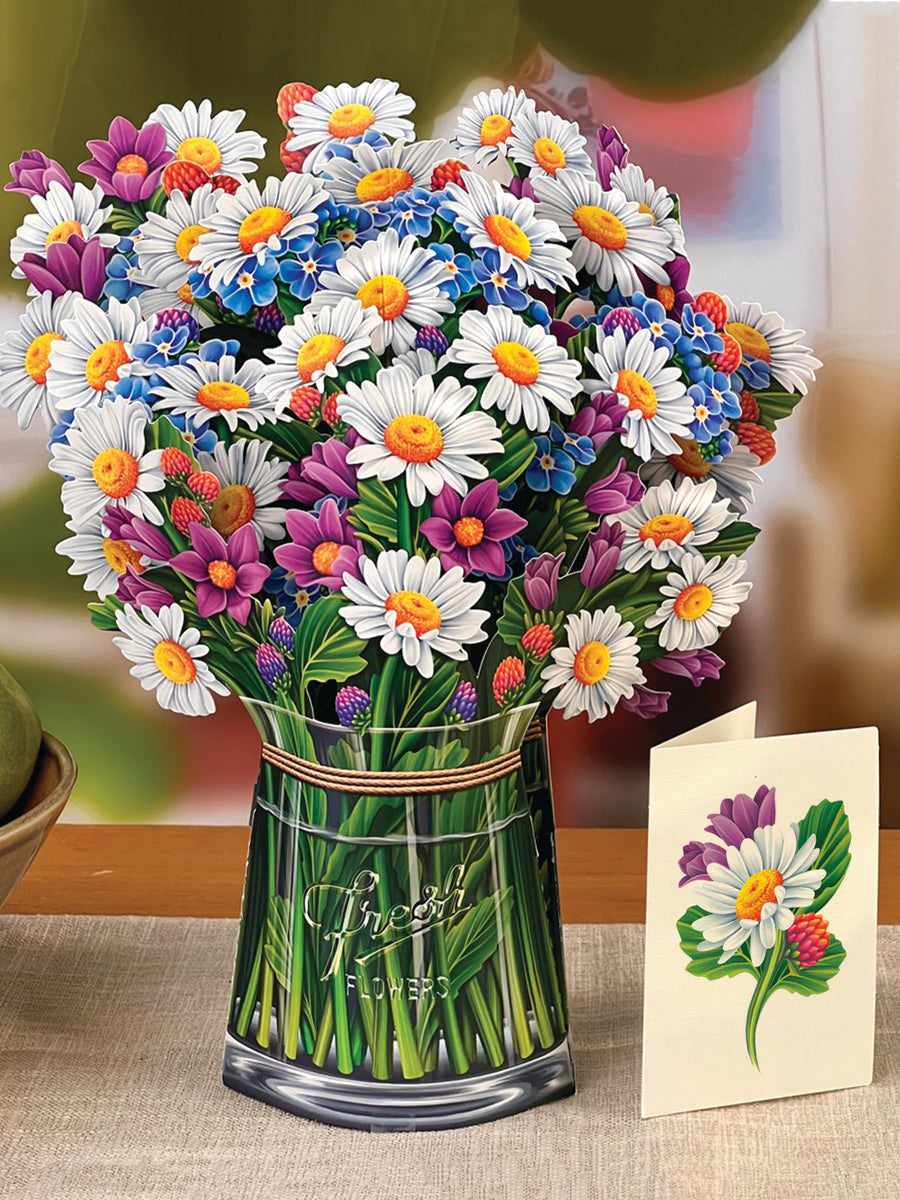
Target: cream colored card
761,915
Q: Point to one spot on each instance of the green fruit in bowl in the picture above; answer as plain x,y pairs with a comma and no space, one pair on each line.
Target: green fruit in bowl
20,741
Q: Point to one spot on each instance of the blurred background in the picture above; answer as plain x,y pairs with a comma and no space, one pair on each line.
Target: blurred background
778,126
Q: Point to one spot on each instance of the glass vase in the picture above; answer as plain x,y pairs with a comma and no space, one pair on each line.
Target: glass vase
399,962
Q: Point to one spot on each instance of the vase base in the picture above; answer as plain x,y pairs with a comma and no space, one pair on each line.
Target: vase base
398,1107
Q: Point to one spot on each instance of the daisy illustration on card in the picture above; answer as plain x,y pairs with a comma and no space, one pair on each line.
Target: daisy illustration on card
758,891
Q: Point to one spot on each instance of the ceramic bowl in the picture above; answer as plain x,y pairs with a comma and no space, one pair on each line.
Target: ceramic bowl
23,829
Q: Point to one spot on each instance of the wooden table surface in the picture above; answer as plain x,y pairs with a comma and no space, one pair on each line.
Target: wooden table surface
198,871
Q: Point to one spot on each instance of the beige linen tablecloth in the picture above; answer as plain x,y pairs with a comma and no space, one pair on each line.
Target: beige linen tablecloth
111,1035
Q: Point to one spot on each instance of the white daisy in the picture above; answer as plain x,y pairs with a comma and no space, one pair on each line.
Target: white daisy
250,491
25,359
420,361
763,335
658,404
702,599
525,367
95,351
168,239
106,460
546,143
735,476
609,235
417,430
397,279
312,349
490,218
154,300
374,176
58,215
597,667
201,389
484,128
753,897
253,221
168,659
415,607
211,141
656,201
98,557
339,114
667,522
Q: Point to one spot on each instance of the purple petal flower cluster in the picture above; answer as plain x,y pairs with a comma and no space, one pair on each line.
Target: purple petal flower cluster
600,419
129,164
71,266
227,574
616,493
135,589
737,819
33,173
542,579
140,535
695,665
468,530
645,702
603,547
696,858
611,153
324,472
323,547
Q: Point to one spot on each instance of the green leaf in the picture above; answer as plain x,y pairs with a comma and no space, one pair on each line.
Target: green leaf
812,981
518,450
376,511
414,702
828,823
736,539
474,938
103,615
161,433
278,944
775,406
705,963
577,345
292,440
325,646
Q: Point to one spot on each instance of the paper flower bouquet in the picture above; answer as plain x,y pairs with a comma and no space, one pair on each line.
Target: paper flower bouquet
403,448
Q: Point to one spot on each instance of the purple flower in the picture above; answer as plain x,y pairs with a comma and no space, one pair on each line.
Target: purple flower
600,419
227,573
137,590
324,547
271,666
611,153
645,702
352,706
617,492
324,472
468,530
603,547
140,535
695,861
130,163
33,173
522,187
695,665
542,579
71,266
740,818
675,296
463,704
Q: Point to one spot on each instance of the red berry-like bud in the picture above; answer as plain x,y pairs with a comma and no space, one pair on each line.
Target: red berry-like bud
184,177
713,305
290,95
205,485
538,640
330,408
292,160
225,183
451,171
808,939
758,440
175,463
730,358
184,512
305,402
749,407
509,679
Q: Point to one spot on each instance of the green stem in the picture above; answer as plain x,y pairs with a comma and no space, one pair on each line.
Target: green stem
487,1030
453,1038
292,1031
762,992
245,1014
404,530
342,1023
410,1061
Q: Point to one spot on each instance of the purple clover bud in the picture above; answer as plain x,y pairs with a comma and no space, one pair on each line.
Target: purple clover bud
617,492
542,579
282,634
603,547
268,319
695,665
625,319
464,703
430,338
271,666
176,318
353,707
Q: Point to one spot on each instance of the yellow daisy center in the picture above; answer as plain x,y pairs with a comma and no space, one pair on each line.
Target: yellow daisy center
316,353
63,231
750,340
690,461
638,391
548,155
184,293
350,120
414,438
386,293
223,397
601,227
202,151
495,128
115,472
222,574
382,184
132,164
693,602
102,366
324,555
233,507
668,527
187,240
757,891
591,663
173,661
468,531
120,555
37,356
507,235
516,362
412,608
260,225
